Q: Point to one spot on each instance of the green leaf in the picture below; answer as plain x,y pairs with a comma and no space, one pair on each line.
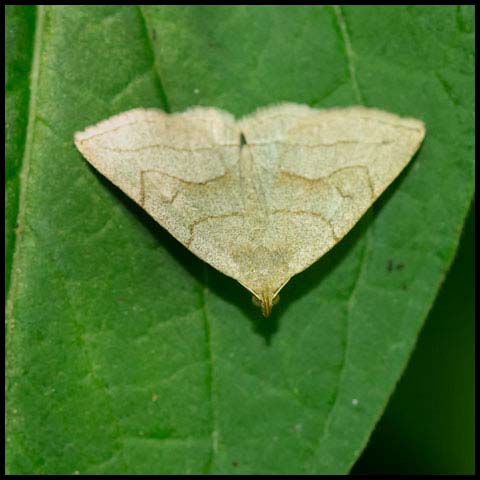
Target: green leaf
127,354
443,397
19,23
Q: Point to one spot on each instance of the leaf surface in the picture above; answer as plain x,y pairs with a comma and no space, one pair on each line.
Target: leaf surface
127,354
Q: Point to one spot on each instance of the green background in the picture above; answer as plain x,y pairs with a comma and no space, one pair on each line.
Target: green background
126,354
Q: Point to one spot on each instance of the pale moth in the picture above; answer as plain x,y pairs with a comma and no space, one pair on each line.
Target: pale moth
260,198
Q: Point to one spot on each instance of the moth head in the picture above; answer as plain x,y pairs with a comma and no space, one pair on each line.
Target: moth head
265,301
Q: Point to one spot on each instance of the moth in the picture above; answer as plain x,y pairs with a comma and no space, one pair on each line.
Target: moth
260,198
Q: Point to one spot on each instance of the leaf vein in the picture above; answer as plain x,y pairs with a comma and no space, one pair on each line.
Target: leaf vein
210,380
339,15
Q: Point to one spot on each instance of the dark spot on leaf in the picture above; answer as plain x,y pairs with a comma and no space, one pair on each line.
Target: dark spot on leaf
235,463
391,265
243,140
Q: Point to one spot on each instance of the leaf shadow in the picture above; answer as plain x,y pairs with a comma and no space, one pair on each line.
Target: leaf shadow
230,290
304,282
299,286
